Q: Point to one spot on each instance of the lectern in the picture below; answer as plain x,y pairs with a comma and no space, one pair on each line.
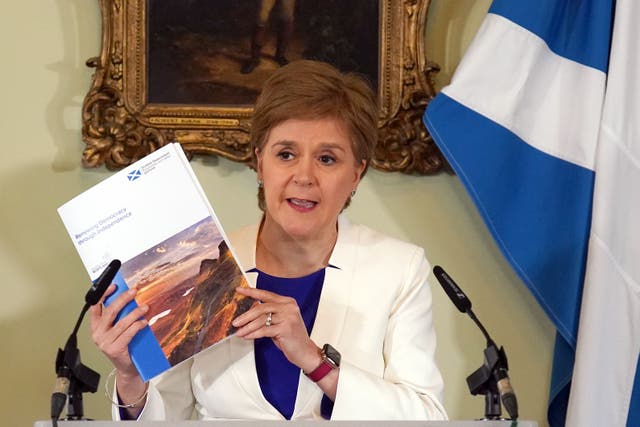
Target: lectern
309,423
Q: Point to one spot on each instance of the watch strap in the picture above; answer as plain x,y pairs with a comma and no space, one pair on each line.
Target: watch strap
320,372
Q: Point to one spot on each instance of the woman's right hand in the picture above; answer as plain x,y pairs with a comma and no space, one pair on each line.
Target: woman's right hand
113,338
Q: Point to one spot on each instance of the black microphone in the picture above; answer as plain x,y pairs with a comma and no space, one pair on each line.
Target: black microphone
498,358
102,283
456,295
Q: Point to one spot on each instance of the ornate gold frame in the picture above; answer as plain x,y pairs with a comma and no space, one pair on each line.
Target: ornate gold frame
119,126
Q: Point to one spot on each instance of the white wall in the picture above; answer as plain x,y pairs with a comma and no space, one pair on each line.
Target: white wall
44,45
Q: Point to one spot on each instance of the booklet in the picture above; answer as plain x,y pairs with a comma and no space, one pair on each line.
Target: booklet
155,218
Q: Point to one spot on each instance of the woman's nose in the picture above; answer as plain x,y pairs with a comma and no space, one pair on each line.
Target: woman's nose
303,175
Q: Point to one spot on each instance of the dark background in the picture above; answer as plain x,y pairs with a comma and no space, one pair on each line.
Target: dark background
197,47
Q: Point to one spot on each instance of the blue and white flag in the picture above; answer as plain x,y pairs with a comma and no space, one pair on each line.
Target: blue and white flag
535,117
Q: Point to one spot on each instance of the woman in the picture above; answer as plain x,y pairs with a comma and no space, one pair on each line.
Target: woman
343,330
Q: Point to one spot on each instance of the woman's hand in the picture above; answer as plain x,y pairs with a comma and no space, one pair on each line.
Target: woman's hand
287,329
113,338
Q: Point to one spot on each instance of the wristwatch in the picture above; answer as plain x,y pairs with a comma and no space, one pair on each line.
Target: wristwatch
330,361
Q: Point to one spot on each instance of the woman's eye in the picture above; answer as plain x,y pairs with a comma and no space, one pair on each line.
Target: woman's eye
327,159
285,155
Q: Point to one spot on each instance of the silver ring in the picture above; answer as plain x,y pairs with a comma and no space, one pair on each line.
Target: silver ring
269,316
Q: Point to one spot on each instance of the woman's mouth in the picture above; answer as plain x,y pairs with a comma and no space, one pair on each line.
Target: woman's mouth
302,204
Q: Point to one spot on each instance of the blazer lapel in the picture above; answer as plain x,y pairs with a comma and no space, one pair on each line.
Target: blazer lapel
244,370
332,309
336,291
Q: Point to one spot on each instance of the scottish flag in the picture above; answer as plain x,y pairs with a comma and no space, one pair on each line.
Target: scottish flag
134,174
541,122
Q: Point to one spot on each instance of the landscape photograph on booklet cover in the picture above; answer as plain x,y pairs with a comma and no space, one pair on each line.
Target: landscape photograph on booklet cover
188,281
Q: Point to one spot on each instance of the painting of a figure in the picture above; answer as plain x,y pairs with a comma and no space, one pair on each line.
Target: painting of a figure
219,52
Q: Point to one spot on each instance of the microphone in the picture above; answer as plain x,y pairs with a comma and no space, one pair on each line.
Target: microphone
102,283
458,298
456,295
74,378
495,370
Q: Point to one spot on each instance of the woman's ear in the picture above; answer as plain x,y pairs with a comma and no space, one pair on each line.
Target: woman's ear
258,162
359,170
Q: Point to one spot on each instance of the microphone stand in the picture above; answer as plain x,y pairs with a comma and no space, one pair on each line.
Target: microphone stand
81,378
72,377
491,379
484,380
75,377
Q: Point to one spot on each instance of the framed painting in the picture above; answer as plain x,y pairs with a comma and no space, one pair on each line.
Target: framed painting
189,71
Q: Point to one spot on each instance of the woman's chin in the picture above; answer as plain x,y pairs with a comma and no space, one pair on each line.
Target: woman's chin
301,232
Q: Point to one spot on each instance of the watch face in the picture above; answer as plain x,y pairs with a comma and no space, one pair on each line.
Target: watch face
331,354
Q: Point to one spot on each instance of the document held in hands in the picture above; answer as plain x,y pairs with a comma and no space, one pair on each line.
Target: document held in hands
155,218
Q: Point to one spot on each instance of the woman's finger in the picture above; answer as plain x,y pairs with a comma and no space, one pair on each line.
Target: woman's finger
114,342
258,329
110,312
111,289
123,324
258,310
264,321
95,311
260,294
123,340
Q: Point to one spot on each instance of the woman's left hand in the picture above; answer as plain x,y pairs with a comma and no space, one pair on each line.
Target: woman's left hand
286,327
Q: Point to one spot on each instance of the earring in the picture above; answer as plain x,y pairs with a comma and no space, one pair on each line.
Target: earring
260,183
353,193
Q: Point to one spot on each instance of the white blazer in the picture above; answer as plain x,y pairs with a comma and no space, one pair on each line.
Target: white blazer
375,308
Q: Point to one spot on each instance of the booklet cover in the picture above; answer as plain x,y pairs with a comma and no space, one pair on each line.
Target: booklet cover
155,218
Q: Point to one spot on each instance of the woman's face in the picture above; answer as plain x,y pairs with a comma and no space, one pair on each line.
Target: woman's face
309,170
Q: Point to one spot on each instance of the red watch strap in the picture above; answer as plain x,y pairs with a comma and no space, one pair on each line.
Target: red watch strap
320,372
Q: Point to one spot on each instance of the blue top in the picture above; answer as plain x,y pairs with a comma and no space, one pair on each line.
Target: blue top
277,376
